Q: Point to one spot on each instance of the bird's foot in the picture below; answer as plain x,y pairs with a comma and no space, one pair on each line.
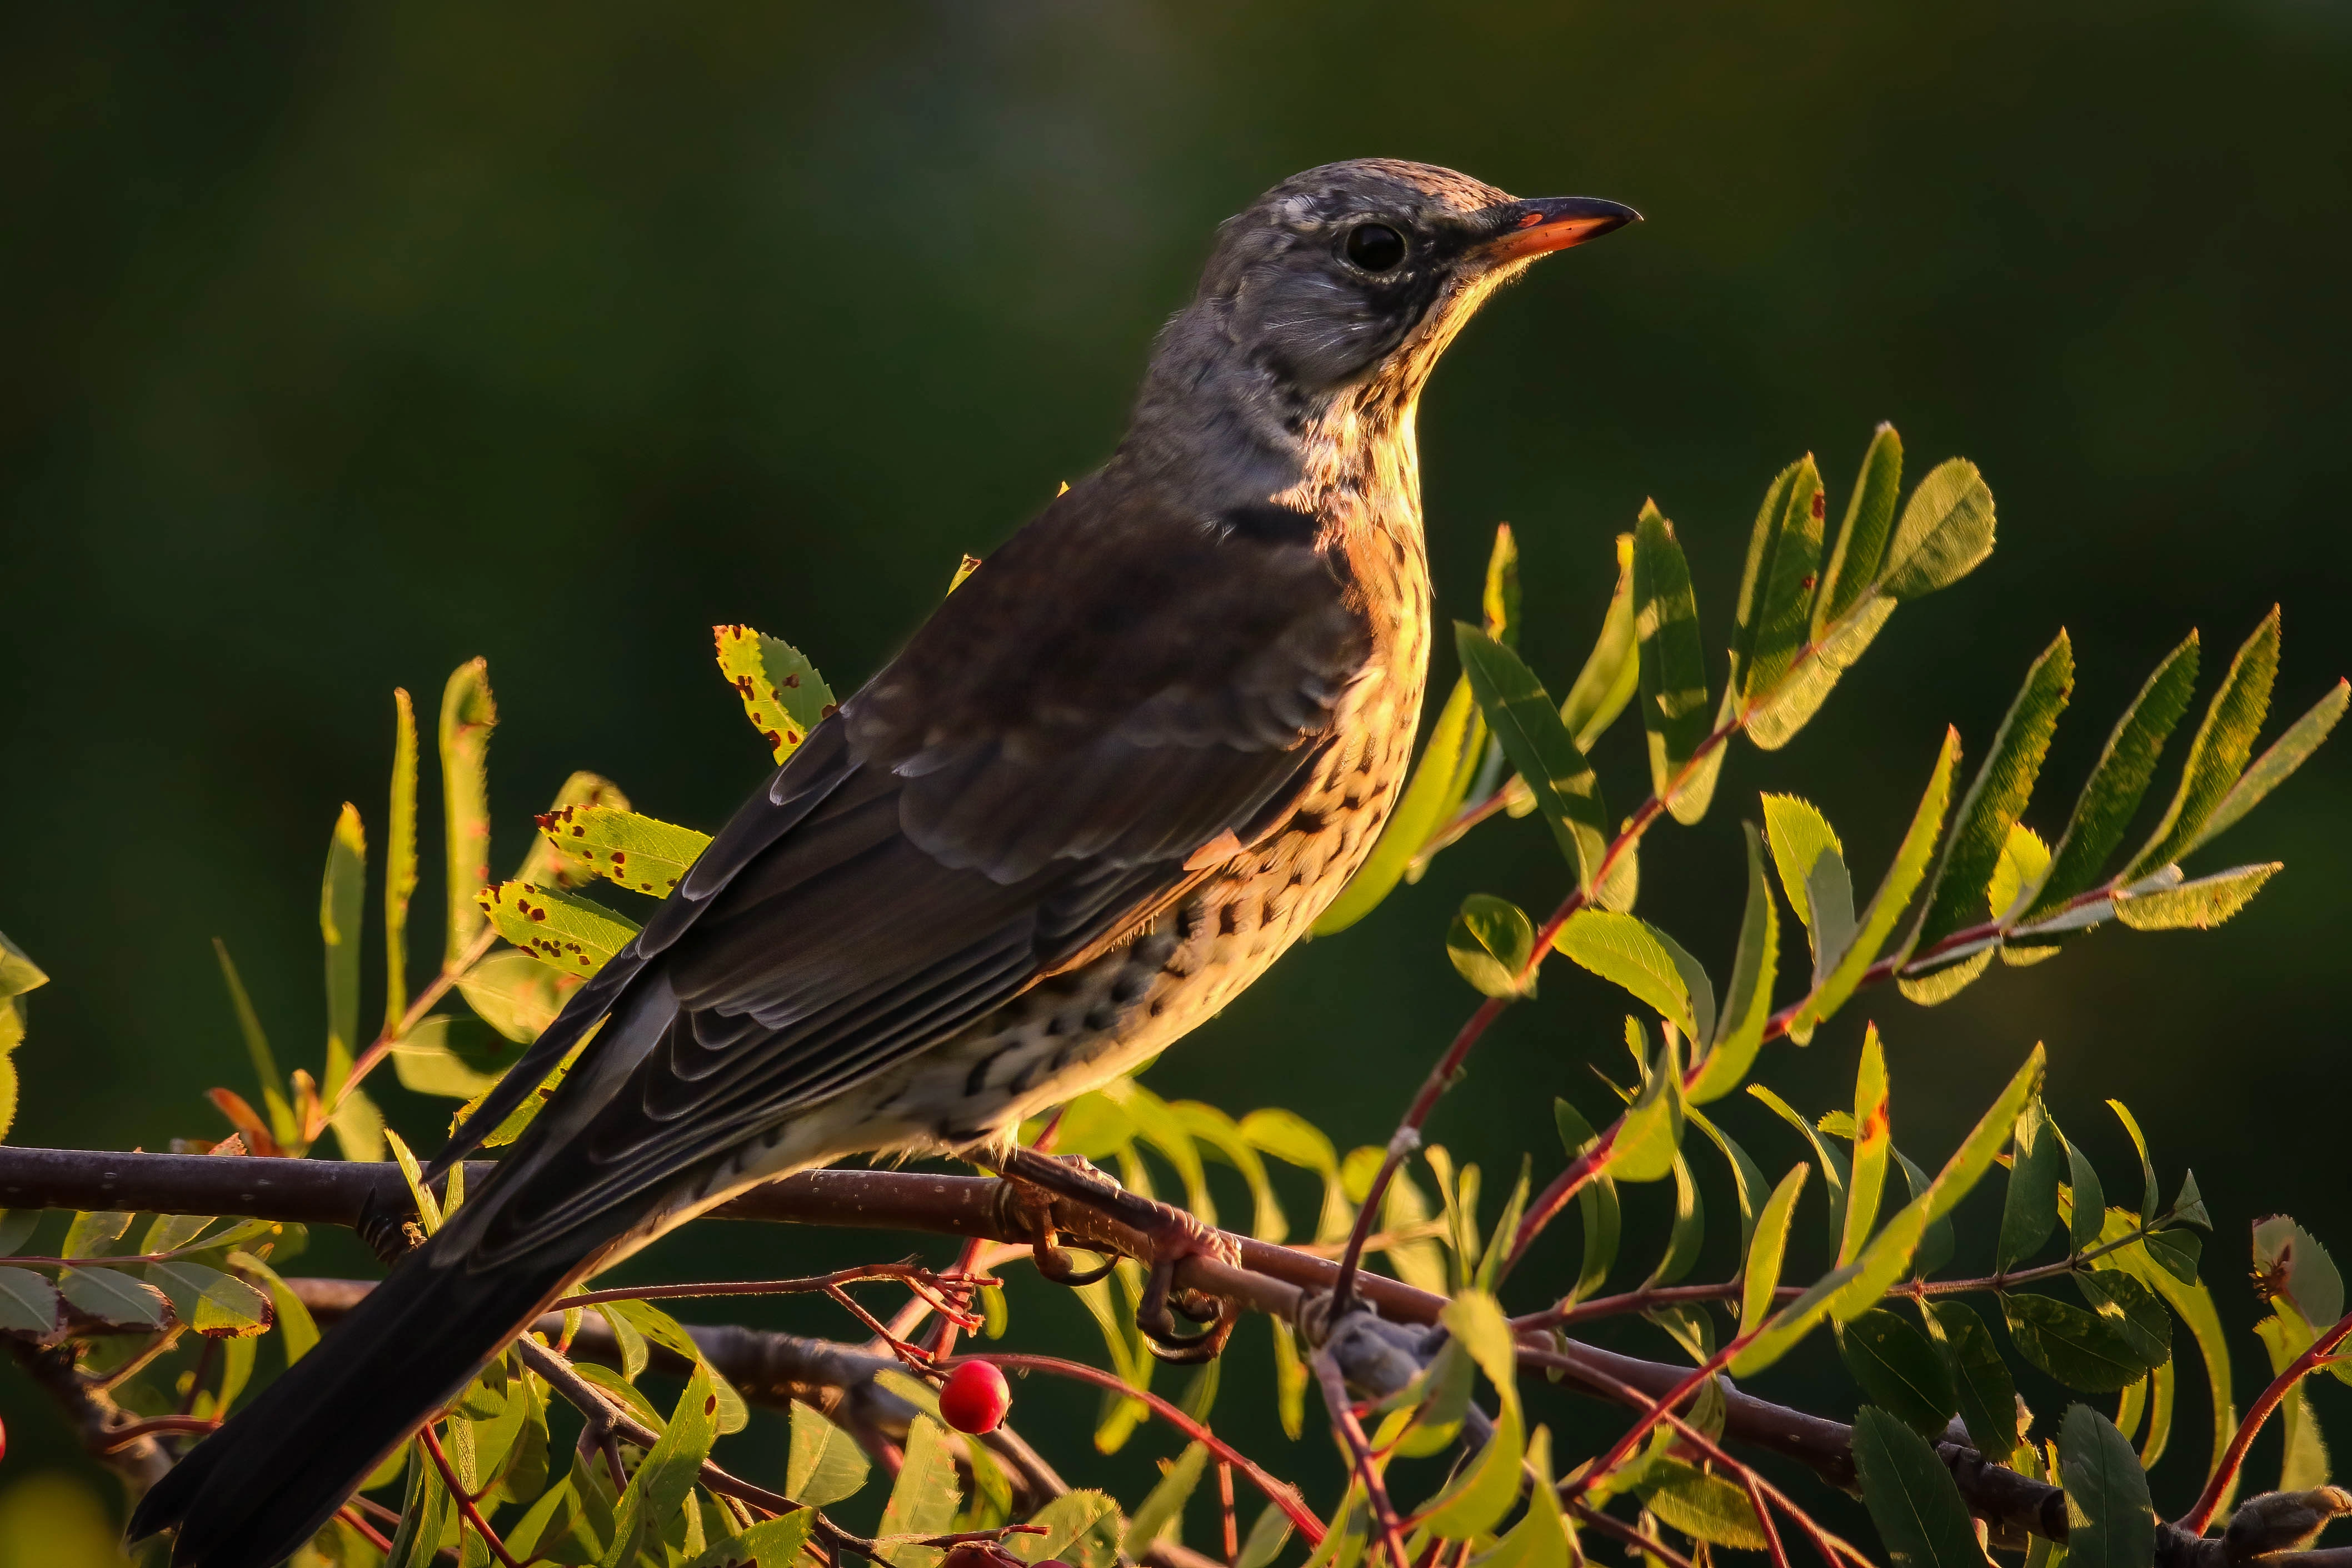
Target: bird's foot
1171,1236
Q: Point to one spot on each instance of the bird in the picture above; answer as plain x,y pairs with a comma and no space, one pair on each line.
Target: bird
1116,773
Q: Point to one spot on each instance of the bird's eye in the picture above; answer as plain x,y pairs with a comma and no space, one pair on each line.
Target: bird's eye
1375,246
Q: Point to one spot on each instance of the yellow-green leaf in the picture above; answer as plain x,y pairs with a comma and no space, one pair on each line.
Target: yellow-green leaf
783,696
562,930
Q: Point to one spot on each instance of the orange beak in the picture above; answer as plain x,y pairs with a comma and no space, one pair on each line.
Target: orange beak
1552,223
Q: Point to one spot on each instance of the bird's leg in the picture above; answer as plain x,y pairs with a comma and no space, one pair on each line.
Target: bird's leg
1173,1235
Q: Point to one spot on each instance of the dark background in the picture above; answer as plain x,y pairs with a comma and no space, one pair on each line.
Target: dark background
346,344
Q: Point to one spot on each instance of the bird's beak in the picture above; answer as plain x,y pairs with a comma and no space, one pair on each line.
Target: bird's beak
1522,229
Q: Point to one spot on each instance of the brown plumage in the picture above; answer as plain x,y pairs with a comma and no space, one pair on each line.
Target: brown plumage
1122,768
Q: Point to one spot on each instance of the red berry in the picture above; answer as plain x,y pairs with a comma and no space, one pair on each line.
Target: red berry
975,1398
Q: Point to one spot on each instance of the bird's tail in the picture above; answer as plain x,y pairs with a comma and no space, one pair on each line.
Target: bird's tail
254,1491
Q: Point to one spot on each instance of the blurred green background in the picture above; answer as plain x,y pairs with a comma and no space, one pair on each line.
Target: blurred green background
346,343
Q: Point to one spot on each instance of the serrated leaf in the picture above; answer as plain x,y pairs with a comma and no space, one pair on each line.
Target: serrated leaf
93,1233
640,853
2148,1190
1702,1506
2177,1253
1789,1327
112,1297
2024,861
1520,713
1747,1177
1629,953
2030,1212
2089,1199
2273,767
2289,1261
1756,578
2199,905
2111,1522
1490,944
1799,696
1912,1498
825,1465
1854,562
1082,1528
563,931
1998,793
2132,1308
923,1500
662,1483
400,863
28,1303
1937,986
1981,1386
2225,738
2078,1348
1812,863
1429,802
1748,1007
340,893
770,1543
1899,1369
1485,1489
1220,1134
1651,1129
1887,904
515,993
1946,532
1596,1203
2117,782
1687,1232
1834,1173
1768,1249
1672,668
783,694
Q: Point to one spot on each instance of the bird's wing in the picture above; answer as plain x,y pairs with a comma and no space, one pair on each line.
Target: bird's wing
1115,689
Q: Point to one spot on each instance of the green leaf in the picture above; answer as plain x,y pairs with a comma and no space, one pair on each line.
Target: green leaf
2177,1253
1429,802
663,1481
340,895
469,714
1812,863
1688,1232
1898,1369
93,1233
1834,1175
2133,1309
1520,713
2188,1206
400,865
1672,668
2148,1190
1756,576
2024,861
112,1297
1768,1249
1886,906
2273,767
1596,1203
640,853
770,1543
1935,987
625,1337
1499,600
1485,1489
1872,1136
2290,1262
1746,1176
2030,1212
1787,1328
424,1514
256,1047
28,1303
826,1466
2218,755
1702,1506
215,1305
296,1331
2111,1522
1612,671
18,973
1748,1007
1853,566
1164,1505
1981,1385
563,931
1491,943
1912,1498
2089,1200
2115,785
1221,1135
2199,905
1784,607
1082,1528
1652,1131
2079,1348
1630,952
452,1056
1946,532
783,696
1998,793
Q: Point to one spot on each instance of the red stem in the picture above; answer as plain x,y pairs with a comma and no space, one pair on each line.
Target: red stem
1280,1493
1655,1412
465,1498
367,1531
1360,1453
2210,1500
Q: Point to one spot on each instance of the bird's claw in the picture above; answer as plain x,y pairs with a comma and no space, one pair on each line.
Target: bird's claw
1180,1235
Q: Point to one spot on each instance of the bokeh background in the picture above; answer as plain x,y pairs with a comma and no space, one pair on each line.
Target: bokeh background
345,343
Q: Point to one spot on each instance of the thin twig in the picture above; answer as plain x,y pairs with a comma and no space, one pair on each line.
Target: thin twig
1608,1525
1281,1494
2217,1484
450,1479
368,1532
1359,1450
380,1047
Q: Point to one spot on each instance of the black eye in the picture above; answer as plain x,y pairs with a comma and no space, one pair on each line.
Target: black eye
1375,246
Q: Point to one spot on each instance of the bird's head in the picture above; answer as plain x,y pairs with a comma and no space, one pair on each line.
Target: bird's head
1359,274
